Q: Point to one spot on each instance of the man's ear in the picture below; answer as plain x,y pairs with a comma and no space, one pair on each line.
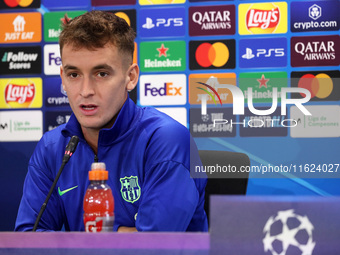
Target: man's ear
61,76
132,77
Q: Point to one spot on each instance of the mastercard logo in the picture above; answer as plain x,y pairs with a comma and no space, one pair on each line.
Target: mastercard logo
320,85
15,3
216,54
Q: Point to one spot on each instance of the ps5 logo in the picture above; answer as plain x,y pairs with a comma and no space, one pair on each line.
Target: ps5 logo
161,22
267,53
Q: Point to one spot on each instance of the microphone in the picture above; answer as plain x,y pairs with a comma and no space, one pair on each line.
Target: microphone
70,149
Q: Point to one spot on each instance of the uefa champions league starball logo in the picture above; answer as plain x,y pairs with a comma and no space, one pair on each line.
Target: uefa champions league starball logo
288,233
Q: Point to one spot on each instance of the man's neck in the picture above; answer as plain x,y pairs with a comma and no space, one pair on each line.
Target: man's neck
91,137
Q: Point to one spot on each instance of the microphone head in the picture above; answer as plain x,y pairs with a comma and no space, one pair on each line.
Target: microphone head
72,144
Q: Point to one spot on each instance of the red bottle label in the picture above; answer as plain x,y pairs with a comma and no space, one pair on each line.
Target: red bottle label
98,224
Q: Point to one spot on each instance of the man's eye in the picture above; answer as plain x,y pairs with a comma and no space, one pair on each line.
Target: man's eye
73,75
102,74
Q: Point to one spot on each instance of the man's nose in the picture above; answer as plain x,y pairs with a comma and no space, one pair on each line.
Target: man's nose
87,88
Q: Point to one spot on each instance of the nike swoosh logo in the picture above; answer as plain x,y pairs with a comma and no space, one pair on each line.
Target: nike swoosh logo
66,190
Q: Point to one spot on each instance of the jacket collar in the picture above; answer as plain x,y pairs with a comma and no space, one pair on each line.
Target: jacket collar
126,121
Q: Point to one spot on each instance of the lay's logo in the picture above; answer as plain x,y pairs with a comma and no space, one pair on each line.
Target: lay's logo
263,18
21,93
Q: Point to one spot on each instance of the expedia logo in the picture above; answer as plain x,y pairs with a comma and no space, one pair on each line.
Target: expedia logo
263,18
20,60
22,94
212,54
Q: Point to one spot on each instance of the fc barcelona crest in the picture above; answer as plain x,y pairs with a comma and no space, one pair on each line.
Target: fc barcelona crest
130,189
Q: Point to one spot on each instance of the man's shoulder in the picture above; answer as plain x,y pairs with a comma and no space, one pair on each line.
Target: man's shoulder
167,138
160,122
52,137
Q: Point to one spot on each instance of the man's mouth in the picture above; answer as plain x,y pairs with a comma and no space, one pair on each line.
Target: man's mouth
88,107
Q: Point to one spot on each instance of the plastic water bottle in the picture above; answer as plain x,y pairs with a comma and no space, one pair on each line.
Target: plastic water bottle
98,201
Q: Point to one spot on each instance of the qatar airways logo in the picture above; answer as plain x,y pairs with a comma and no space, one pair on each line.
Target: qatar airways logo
212,20
315,50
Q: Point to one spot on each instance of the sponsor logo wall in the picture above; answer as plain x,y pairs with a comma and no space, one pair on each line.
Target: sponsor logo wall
189,52
197,59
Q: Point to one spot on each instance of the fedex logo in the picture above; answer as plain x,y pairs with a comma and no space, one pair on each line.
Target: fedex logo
166,90
52,59
163,89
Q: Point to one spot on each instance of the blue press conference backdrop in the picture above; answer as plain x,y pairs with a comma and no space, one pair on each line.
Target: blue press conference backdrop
181,44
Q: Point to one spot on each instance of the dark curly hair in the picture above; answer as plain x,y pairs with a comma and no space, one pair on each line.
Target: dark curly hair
95,29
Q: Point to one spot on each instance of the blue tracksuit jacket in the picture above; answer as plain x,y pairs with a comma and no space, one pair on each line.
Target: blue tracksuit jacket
145,150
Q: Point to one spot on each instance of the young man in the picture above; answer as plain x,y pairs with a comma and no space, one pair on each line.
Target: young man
135,143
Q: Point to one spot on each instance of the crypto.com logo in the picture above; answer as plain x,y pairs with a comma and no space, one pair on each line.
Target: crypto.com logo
314,12
238,100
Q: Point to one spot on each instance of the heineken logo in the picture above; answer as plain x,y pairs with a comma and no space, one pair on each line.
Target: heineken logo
130,189
262,84
53,21
162,56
